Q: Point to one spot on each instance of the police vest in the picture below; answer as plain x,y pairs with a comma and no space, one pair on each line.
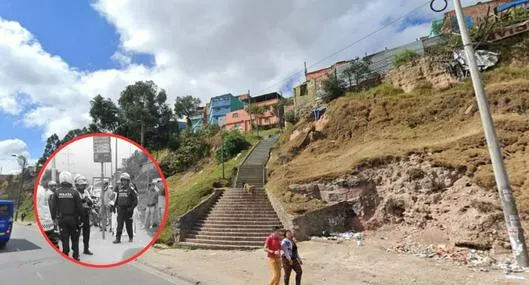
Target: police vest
66,202
124,197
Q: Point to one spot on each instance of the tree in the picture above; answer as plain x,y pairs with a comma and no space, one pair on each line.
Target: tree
291,117
358,69
279,111
184,107
73,134
234,143
257,111
52,143
105,114
333,88
140,108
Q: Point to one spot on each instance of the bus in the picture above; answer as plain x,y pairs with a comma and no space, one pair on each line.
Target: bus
6,221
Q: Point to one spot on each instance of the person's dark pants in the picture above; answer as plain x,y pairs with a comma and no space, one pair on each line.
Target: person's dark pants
54,237
288,269
70,231
86,231
124,217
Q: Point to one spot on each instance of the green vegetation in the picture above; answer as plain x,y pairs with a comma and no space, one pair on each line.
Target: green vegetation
333,88
358,70
404,57
233,143
291,117
193,147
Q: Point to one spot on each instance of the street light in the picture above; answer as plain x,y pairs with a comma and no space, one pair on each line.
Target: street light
22,162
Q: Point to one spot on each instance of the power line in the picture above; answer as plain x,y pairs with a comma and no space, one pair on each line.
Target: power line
429,2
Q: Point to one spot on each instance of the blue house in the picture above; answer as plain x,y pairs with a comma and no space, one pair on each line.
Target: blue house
222,105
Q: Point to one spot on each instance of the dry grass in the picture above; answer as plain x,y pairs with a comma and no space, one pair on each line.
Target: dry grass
386,122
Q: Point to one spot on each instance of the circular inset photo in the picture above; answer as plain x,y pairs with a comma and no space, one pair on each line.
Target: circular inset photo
101,200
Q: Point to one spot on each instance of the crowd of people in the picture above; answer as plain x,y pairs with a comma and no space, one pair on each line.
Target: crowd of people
64,211
283,253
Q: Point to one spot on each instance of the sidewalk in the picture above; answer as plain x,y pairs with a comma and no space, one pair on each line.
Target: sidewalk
324,263
105,252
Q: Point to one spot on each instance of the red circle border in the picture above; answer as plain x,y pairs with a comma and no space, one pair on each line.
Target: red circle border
161,226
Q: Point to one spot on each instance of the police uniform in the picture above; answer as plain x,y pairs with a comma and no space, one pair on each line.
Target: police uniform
87,203
126,201
68,210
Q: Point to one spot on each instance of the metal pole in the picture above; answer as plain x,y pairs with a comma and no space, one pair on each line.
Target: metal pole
116,170
21,186
103,208
510,212
53,169
142,133
222,151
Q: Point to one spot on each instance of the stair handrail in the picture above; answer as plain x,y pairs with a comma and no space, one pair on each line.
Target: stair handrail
242,163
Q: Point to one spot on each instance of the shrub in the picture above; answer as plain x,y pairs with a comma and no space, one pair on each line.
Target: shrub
333,88
291,117
404,57
192,149
234,143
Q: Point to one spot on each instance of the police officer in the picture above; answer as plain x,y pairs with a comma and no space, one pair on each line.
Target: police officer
126,201
68,211
53,236
81,184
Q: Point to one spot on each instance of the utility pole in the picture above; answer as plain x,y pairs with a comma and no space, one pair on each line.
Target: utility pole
222,150
53,169
102,195
512,220
116,154
22,162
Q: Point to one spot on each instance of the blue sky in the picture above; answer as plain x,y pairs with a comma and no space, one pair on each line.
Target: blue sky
70,29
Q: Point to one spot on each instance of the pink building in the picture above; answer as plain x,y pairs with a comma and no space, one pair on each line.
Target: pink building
238,120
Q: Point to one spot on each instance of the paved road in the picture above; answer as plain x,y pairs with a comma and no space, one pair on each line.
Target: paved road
29,260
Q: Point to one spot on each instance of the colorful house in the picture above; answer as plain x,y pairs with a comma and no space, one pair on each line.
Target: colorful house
238,120
269,101
241,120
222,105
199,119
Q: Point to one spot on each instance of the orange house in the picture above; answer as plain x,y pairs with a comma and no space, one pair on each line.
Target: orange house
269,101
238,120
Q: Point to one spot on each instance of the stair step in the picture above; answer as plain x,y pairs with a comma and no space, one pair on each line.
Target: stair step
207,226
248,214
242,219
218,247
241,232
226,242
260,238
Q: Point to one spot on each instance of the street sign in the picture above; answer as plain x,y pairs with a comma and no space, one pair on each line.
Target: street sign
102,152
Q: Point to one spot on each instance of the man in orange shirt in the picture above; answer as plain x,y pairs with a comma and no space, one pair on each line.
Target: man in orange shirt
273,248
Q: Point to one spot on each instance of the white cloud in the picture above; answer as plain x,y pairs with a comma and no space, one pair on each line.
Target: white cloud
8,163
202,48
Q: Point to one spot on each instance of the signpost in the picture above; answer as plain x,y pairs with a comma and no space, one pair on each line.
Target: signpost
102,154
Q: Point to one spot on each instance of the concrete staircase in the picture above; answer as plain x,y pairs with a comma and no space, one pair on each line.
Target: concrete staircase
239,220
253,170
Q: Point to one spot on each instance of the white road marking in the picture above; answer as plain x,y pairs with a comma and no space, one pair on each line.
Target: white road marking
40,276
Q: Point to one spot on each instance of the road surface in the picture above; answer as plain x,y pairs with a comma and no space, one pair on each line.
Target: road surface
28,259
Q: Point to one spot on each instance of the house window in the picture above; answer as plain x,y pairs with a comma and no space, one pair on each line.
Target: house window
238,126
235,115
267,121
303,90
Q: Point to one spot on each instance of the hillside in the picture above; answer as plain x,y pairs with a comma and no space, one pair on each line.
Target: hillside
423,151
188,189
